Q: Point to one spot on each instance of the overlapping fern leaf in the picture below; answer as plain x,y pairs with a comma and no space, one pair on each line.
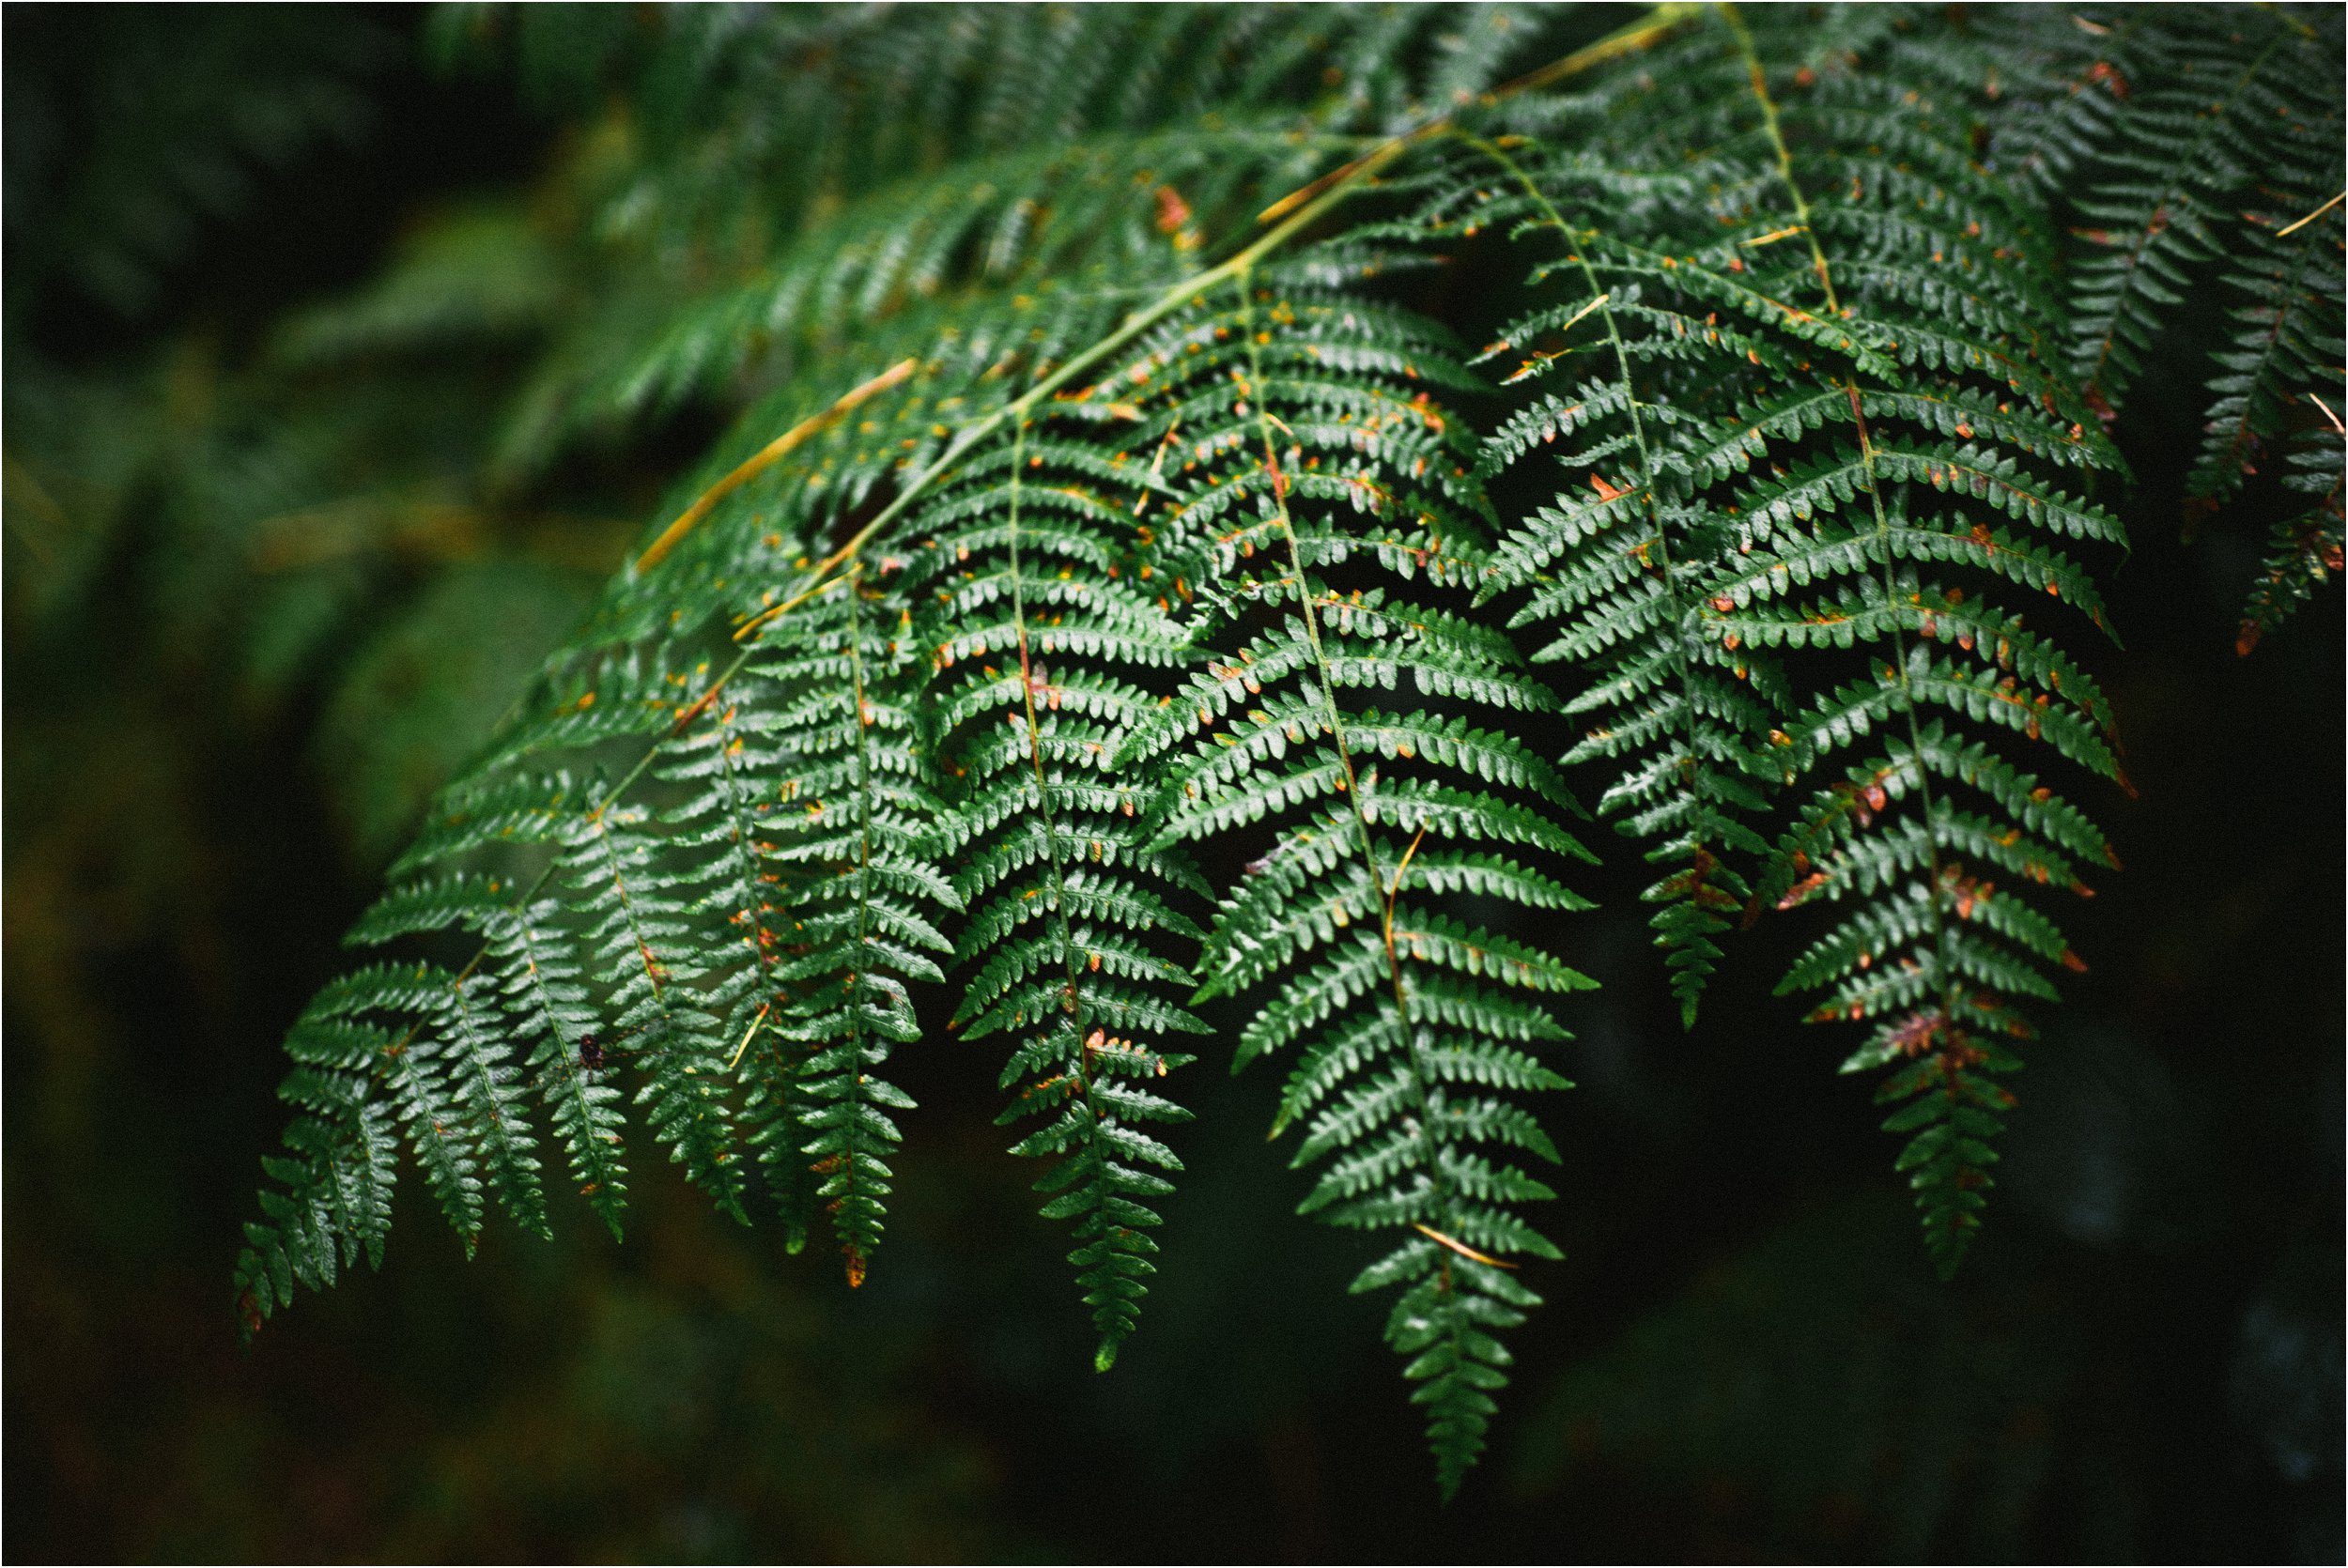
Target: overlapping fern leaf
435,1053
1036,624
2218,93
2277,395
1805,372
1962,458
805,176
741,956
2217,178
1363,733
825,860
1619,563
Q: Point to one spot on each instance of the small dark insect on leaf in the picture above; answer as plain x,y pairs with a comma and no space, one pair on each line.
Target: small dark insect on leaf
593,1046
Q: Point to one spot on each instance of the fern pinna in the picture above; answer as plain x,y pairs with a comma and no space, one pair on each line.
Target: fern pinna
1946,443
830,877
1341,717
1799,378
1035,625
1106,608
2219,165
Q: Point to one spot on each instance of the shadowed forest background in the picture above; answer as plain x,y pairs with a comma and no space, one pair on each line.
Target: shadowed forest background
286,532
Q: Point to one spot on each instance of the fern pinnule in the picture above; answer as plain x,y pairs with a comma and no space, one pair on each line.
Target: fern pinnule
2302,551
2284,346
455,1064
550,1005
582,1108
2277,393
2057,84
332,1191
638,925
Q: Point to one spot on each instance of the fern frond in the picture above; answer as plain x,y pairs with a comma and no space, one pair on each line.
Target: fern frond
2284,351
806,179
1617,575
2279,393
637,925
2181,146
417,1076
1050,553
2302,551
334,1181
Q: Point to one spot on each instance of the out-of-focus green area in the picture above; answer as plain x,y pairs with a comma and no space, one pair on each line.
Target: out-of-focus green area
290,514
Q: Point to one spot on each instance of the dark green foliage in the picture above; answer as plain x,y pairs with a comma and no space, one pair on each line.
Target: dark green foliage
1092,555
107,185
2210,97
2220,164
926,157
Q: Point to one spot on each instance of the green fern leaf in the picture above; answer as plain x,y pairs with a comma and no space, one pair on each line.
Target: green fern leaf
1324,909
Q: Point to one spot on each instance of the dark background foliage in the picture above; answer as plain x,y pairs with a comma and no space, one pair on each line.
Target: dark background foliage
212,739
